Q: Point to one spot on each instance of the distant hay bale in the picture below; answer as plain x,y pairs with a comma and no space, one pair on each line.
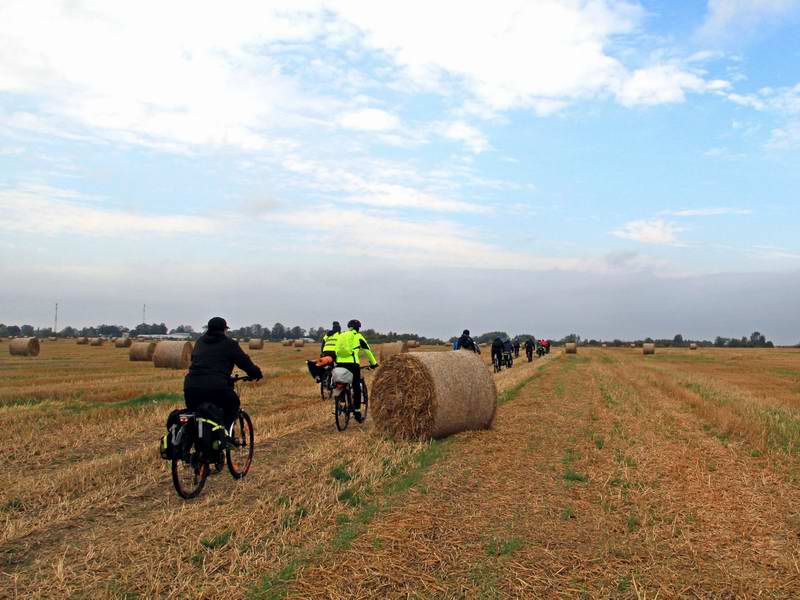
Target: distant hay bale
24,347
142,351
286,342
413,343
124,342
432,395
256,344
299,343
571,348
172,355
96,341
692,346
390,349
648,349
633,345
52,339
82,341
605,345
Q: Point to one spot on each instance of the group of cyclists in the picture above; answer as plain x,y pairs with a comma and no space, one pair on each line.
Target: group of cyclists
504,351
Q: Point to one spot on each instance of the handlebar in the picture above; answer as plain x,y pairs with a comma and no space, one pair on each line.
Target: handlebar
236,378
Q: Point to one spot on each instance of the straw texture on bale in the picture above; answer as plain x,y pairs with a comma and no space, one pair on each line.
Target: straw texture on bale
432,395
286,342
123,342
82,341
390,349
172,355
571,348
692,346
299,343
96,341
256,344
142,351
648,349
24,347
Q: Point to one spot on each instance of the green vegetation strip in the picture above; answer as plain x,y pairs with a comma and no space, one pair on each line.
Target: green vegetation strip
275,585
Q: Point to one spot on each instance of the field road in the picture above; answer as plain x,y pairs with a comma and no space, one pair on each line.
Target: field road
607,475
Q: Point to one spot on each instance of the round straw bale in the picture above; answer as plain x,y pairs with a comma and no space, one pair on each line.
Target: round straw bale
692,346
123,342
256,344
172,355
390,349
633,345
96,341
571,348
648,349
24,347
413,343
299,343
605,345
52,339
142,351
432,395
286,342
82,341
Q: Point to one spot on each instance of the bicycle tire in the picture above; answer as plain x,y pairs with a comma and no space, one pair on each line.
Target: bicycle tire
199,476
239,464
364,403
341,408
325,388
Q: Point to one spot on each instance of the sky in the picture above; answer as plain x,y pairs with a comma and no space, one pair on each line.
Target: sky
612,169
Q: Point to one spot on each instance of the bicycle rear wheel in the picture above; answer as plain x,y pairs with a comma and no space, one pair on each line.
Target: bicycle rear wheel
341,408
189,474
325,387
240,457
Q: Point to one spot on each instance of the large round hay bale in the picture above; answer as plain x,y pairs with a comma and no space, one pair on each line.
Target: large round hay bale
286,342
82,341
24,347
142,351
432,395
648,348
124,342
96,341
299,343
692,346
256,344
390,349
172,355
571,348
413,343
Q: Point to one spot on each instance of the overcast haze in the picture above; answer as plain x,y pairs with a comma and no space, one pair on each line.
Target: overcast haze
612,169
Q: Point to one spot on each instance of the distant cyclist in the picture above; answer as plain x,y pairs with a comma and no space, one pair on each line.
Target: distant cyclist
516,348
348,349
330,339
497,350
209,378
530,347
467,343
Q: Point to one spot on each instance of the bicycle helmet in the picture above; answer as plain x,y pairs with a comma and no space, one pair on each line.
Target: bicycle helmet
354,324
466,332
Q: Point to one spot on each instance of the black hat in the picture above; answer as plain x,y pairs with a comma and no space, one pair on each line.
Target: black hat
466,332
217,324
337,327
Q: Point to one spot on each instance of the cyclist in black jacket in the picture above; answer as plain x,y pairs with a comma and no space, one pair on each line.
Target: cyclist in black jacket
467,343
209,377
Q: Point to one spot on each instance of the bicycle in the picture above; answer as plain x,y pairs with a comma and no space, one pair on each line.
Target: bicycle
497,362
343,399
326,384
508,359
192,458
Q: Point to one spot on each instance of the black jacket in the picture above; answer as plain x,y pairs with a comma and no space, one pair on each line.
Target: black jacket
497,346
466,343
213,359
529,344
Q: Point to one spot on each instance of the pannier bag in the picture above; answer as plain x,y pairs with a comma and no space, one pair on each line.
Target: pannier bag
169,441
210,432
342,375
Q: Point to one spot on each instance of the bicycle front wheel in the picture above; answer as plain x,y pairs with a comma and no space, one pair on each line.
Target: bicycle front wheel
364,403
189,475
240,456
341,409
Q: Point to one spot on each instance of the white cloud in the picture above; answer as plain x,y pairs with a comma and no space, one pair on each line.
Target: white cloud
41,209
662,84
466,133
731,20
369,119
707,212
649,231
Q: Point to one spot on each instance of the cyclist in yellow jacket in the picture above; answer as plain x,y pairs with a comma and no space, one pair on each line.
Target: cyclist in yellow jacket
348,349
329,341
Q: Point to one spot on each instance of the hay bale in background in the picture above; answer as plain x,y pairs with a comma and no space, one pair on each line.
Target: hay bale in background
648,349
692,346
299,343
413,344
96,341
432,395
286,343
142,351
124,342
392,348
24,347
571,348
256,344
52,339
605,345
172,355
82,341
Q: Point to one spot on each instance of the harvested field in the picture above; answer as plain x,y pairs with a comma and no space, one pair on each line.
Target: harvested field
606,474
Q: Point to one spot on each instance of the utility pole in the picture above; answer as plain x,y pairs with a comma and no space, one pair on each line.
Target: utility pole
55,321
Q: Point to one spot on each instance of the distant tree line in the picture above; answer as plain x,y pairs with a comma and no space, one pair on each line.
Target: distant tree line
756,340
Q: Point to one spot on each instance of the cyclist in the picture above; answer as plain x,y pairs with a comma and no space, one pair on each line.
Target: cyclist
516,348
466,343
209,378
348,348
329,341
497,349
508,351
530,346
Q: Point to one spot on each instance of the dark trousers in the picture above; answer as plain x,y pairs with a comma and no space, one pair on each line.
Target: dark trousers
224,398
355,369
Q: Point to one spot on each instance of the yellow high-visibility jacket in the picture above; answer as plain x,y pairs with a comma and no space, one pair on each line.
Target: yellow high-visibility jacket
329,341
349,346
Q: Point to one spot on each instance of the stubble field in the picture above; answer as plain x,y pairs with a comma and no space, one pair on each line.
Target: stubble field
607,474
